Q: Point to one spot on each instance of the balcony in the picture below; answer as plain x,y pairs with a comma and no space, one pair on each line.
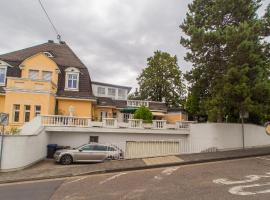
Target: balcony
114,124
24,84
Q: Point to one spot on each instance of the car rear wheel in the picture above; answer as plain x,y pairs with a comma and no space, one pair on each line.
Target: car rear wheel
66,160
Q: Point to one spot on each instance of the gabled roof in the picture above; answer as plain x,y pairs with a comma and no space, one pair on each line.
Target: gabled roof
64,58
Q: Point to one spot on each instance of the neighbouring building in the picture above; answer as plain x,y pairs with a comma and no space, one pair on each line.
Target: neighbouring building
50,79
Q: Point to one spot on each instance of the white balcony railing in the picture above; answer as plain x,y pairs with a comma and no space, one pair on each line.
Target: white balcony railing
69,121
110,122
137,103
159,124
135,123
58,120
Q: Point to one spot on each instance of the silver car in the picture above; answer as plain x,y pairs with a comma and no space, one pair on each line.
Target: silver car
92,152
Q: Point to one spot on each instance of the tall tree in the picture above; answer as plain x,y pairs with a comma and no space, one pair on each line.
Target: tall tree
230,58
162,79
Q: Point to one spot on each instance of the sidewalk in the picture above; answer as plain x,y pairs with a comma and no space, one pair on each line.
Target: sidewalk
48,169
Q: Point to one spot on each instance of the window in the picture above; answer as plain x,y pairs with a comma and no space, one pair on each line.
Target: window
16,113
93,139
27,113
3,76
33,74
100,148
48,54
111,91
37,110
111,149
101,90
47,76
122,93
87,147
72,79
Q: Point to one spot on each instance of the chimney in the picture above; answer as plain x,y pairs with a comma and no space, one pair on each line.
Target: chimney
50,41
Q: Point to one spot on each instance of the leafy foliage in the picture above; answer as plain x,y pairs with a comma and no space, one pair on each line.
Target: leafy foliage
230,56
143,113
162,79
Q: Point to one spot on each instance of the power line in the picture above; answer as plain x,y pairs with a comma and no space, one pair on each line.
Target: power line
48,17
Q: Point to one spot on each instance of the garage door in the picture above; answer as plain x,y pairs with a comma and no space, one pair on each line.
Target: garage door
142,149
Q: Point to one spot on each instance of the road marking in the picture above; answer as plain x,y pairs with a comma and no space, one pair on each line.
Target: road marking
169,171
112,178
134,194
263,158
76,180
239,190
250,178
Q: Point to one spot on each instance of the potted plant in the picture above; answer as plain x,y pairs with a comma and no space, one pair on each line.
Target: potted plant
146,115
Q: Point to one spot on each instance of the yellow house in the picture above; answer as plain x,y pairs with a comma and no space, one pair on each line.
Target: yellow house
49,79
46,79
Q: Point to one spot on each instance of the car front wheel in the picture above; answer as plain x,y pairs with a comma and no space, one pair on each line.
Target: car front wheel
66,160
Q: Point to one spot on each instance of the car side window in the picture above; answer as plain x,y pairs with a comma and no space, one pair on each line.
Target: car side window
111,149
100,148
87,148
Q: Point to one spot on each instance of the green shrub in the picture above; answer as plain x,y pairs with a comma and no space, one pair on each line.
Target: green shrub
144,114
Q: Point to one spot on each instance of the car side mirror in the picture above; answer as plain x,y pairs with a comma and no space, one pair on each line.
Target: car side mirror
80,150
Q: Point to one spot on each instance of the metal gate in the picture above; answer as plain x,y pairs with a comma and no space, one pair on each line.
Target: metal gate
142,149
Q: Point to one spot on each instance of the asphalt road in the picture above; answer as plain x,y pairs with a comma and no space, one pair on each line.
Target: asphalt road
241,179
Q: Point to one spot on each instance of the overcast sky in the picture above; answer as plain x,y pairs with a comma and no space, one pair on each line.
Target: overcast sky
112,37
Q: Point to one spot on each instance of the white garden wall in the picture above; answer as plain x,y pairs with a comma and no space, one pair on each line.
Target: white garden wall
227,136
20,151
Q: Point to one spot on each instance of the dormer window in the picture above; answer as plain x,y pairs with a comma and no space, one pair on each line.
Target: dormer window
3,74
72,79
48,54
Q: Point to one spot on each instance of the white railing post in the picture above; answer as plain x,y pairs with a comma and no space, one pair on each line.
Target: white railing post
159,124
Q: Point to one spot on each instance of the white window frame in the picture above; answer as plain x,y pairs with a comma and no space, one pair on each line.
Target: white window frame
103,88
124,93
48,54
5,75
112,94
72,71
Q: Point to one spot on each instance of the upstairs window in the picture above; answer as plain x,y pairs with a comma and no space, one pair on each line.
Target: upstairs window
122,93
101,90
33,74
3,71
47,76
72,79
111,91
